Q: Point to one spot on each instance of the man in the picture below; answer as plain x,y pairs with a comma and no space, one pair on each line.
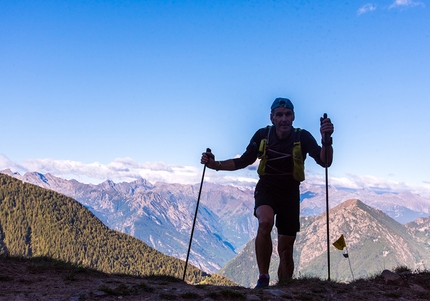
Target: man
282,150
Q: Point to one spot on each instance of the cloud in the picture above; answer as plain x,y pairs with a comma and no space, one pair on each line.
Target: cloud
369,7
119,170
376,184
367,182
5,162
366,8
406,3
127,170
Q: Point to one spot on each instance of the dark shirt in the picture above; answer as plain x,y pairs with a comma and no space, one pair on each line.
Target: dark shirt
279,169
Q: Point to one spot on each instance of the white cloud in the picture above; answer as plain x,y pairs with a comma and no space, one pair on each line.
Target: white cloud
404,3
369,7
373,183
367,182
366,8
127,170
119,170
5,162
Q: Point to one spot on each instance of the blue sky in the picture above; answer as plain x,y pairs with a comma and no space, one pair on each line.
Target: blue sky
97,90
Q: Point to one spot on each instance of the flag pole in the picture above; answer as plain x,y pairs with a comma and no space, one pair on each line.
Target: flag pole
340,244
349,260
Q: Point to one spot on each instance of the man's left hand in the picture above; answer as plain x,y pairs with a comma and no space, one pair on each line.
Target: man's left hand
327,128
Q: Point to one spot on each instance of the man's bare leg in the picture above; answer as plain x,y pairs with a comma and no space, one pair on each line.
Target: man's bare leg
263,240
286,262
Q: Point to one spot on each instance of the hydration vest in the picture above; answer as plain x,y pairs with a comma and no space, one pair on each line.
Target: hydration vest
299,164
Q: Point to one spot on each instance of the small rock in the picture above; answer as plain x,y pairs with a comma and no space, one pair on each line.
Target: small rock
418,288
252,298
276,292
392,278
99,293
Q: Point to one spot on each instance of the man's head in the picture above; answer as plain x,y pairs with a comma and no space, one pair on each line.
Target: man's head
281,102
282,116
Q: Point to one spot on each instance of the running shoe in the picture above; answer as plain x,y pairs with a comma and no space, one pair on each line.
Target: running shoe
262,282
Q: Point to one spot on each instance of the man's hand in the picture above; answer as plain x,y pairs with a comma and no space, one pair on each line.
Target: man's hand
326,129
207,159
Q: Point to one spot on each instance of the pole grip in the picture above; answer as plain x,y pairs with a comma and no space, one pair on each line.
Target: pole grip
326,135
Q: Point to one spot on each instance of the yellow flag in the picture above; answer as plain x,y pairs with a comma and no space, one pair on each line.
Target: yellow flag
340,243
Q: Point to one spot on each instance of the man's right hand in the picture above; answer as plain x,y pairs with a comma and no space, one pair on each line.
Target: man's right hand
207,157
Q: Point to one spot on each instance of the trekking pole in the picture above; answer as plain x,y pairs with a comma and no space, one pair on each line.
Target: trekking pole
208,150
326,202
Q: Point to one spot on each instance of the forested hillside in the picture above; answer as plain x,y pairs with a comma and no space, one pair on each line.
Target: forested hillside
40,222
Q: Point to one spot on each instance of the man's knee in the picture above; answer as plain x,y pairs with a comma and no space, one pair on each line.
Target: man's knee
265,226
286,254
266,218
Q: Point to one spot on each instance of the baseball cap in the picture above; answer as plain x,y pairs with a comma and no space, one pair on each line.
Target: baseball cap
282,102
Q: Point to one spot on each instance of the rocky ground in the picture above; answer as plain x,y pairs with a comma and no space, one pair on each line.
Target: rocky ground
22,279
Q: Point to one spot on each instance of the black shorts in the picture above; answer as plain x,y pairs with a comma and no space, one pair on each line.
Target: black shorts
285,202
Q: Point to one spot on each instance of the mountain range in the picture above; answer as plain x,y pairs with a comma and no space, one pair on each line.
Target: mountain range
161,215
374,242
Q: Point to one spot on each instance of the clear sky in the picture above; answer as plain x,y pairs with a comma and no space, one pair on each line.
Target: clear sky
97,90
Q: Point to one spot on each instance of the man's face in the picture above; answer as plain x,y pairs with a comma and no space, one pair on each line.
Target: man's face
282,119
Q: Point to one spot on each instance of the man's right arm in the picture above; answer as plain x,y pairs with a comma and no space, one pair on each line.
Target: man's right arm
247,158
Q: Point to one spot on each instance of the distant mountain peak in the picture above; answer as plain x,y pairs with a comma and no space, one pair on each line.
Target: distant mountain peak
142,182
352,203
9,172
108,184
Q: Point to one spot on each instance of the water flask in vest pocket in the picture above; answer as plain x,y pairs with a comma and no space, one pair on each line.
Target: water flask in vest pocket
262,156
299,164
